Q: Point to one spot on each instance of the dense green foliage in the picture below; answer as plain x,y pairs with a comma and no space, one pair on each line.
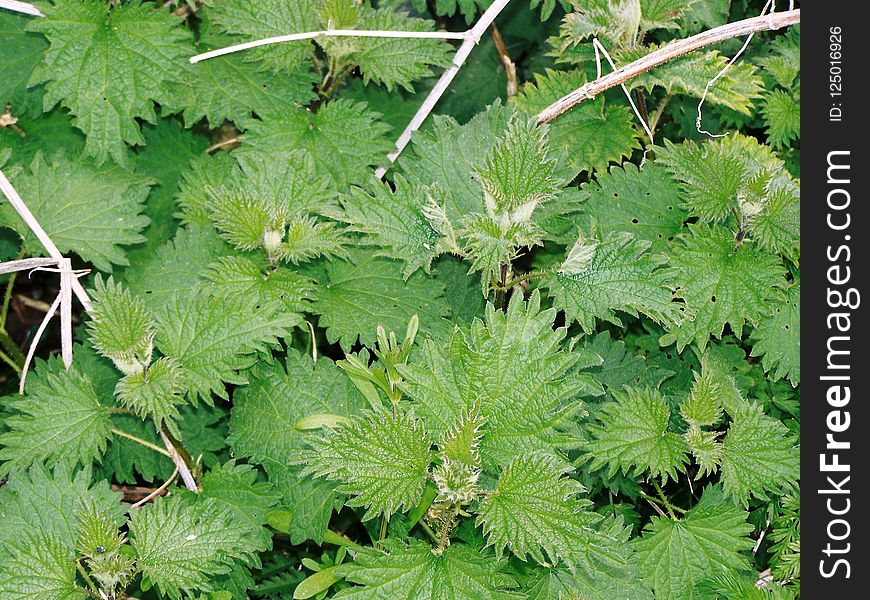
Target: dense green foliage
540,362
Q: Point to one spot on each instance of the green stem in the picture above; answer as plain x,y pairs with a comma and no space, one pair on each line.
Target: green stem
385,523
139,440
522,278
665,502
94,591
444,536
5,357
428,530
660,109
7,297
331,537
117,410
11,347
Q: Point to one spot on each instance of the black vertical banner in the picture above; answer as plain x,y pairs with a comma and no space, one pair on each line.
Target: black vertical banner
835,232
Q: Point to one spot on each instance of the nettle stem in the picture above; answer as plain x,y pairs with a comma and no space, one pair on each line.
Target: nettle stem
665,504
670,507
446,526
90,583
140,441
527,276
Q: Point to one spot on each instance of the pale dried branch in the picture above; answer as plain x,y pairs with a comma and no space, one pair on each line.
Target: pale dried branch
667,53
157,492
25,264
472,38
21,7
180,464
310,35
31,222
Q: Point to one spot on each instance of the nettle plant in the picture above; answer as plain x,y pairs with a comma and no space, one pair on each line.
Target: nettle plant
537,360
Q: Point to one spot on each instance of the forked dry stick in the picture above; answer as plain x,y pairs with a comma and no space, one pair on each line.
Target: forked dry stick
473,38
31,222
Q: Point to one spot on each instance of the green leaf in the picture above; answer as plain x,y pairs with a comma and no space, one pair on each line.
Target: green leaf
307,239
468,8
355,297
783,57
262,20
777,227
92,211
593,134
48,502
759,456
620,276
662,14
710,175
518,174
309,500
644,202
168,151
155,392
722,282
634,434
621,366
480,82
47,134
782,117
39,566
394,221
180,546
729,585
513,365
271,189
265,412
215,338
316,583
461,290
228,88
263,429
674,556
108,65
176,265
491,245
203,173
203,430
617,22
412,572
397,62
777,338
559,582
20,53
243,277
121,328
448,155
344,137
689,74
534,510
382,461
235,487
60,417
703,406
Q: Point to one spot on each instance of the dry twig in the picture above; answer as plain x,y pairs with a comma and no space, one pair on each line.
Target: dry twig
472,38
667,53
510,69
